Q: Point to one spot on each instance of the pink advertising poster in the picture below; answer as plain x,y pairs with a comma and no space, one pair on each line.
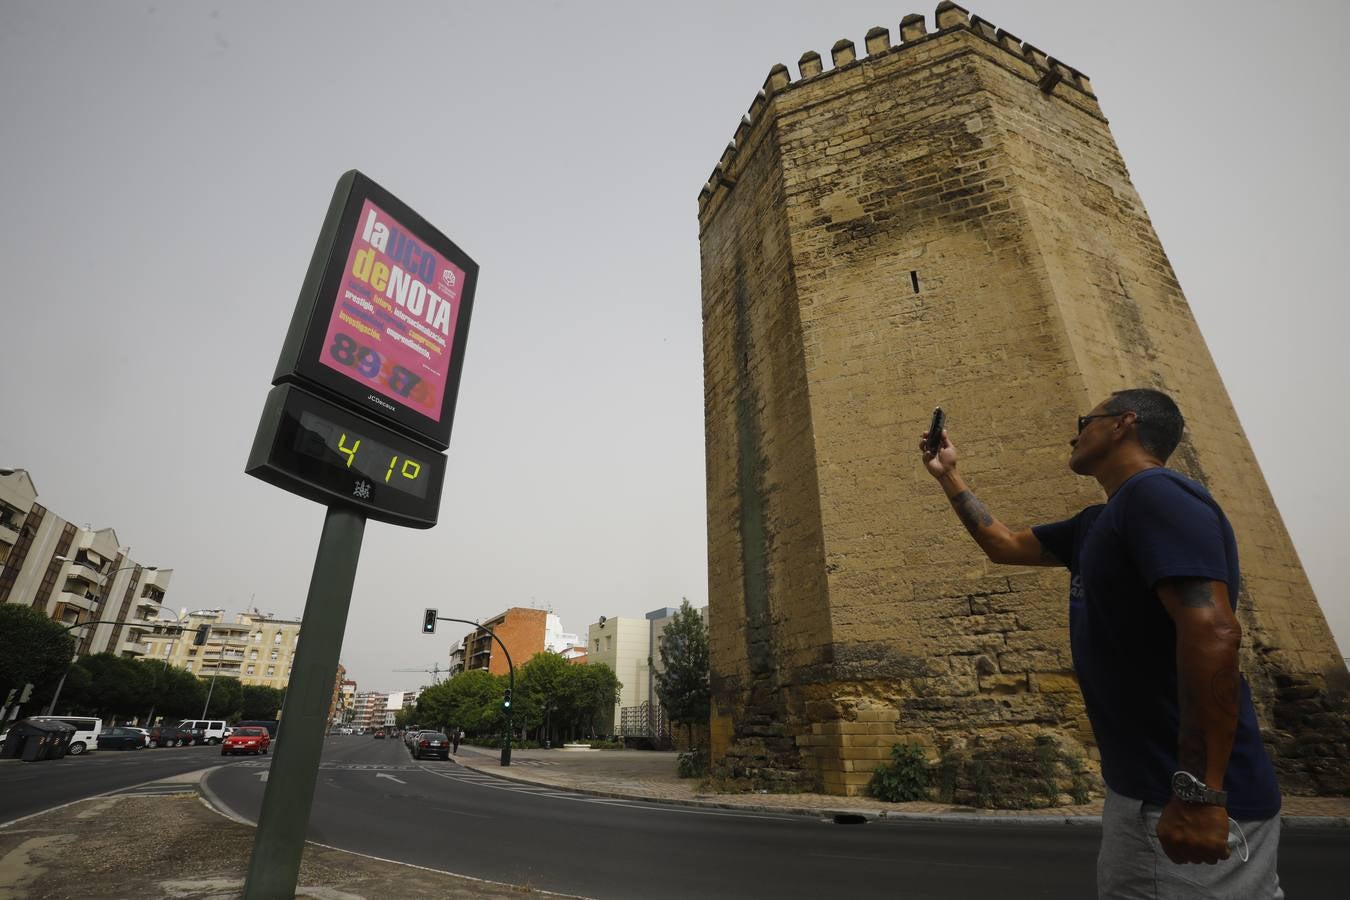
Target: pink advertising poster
393,321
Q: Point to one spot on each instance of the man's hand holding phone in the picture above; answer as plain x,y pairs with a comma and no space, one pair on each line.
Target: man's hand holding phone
939,456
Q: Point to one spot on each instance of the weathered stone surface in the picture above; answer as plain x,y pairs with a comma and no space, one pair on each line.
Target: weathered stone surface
938,223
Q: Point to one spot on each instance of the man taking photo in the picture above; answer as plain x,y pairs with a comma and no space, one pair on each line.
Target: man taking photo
1153,590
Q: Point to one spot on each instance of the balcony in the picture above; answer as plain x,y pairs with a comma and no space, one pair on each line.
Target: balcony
8,536
135,649
148,603
77,601
86,572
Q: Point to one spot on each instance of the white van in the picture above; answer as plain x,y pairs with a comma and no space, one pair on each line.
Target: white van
86,728
216,730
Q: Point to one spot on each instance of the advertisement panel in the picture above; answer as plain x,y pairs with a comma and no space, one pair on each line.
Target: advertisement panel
392,324
383,314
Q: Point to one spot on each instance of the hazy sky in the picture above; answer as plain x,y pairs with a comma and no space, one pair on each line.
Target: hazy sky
166,168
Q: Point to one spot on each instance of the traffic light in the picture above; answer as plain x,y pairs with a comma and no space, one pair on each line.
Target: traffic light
429,623
27,692
506,700
200,638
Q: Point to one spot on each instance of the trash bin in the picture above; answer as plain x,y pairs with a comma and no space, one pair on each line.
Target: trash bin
33,741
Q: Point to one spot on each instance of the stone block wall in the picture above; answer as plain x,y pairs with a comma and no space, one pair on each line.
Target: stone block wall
946,221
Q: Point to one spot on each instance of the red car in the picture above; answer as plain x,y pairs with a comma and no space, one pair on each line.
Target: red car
246,740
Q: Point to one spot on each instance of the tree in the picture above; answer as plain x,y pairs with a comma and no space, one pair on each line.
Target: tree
541,690
401,718
108,686
258,701
471,700
683,685
594,691
34,650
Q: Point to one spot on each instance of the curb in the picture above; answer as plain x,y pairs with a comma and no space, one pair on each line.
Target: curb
884,815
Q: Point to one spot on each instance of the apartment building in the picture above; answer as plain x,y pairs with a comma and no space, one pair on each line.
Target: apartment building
335,703
254,648
525,632
369,709
75,574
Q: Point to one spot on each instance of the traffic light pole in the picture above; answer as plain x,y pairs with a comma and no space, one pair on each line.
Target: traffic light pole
511,686
280,838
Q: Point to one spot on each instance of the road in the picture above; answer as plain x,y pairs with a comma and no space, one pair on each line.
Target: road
27,788
372,798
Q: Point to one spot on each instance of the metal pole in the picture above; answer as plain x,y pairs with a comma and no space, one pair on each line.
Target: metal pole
211,690
51,707
280,838
150,717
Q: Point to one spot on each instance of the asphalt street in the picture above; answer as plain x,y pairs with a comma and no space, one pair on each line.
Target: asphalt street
373,798
27,788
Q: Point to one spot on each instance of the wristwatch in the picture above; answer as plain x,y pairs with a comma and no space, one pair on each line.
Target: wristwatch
1189,789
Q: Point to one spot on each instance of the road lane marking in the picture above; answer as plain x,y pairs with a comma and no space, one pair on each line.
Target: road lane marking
926,861
390,777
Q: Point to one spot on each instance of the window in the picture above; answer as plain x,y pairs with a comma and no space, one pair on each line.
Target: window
271,670
277,639
274,656
250,670
253,655
257,637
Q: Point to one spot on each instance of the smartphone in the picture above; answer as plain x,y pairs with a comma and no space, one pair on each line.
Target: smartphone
935,430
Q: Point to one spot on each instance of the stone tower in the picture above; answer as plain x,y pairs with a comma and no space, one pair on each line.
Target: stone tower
946,220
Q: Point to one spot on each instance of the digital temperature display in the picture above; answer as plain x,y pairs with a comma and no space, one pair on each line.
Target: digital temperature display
333,456
321,439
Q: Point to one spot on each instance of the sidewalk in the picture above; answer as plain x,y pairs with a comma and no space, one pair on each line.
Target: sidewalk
647,775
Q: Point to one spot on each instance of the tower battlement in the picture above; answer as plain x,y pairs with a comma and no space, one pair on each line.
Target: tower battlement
1052,76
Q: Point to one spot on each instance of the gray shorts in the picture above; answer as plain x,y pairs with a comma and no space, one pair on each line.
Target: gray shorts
1132,866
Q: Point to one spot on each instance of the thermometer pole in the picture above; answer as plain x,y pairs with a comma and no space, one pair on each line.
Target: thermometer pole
280,838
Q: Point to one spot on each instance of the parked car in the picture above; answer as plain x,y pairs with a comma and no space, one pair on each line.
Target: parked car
432,744
121,739
87,729
143,732
246,739
272,725
175,736
215,730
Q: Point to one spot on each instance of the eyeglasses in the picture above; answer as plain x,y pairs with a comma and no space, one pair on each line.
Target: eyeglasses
1084,420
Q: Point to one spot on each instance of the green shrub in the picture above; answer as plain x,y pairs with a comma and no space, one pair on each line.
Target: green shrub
606,745
906,778
693,764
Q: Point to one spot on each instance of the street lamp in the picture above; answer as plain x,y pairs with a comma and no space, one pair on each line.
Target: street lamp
51,707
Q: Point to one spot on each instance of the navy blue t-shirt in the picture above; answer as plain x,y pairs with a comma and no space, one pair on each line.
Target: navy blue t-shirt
1157,525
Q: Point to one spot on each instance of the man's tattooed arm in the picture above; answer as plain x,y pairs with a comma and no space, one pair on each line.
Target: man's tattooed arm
1208,681
974,514
999,543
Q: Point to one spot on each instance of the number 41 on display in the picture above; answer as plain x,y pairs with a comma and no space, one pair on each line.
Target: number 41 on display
350,453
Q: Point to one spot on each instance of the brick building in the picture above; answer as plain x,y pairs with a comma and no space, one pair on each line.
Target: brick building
946,220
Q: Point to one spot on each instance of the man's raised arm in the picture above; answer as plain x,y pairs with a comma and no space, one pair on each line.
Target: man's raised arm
1000,543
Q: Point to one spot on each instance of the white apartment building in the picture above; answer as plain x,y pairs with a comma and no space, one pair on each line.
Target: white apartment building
73,574
370,709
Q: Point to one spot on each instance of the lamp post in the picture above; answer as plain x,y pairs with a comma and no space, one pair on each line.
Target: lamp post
150,716
51,707
511,688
